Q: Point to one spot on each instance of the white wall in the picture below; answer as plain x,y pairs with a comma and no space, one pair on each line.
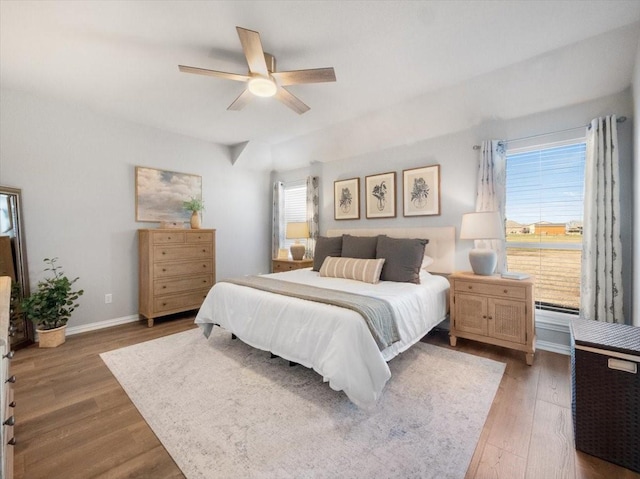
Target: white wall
76,170
636,182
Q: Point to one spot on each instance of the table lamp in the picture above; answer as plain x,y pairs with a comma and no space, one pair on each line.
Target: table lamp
296,231
482,226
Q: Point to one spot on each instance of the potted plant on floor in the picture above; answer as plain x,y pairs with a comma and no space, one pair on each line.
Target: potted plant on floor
195,205
50,307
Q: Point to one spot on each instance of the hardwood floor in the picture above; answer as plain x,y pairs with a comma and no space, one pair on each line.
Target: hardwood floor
75,421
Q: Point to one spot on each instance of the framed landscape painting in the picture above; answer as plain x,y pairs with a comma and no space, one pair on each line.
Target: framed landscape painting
160,194
346,194
421,191
381,195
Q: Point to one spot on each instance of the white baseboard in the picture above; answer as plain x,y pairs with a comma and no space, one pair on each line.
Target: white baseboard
553,347
102,324
559,327
542,324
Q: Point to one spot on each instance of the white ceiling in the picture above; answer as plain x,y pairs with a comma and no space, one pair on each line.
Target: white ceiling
394,61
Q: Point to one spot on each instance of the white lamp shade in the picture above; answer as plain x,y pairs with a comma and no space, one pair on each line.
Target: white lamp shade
297,230
481,225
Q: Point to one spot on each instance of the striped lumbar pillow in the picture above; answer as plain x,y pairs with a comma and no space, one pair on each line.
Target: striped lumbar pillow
366,270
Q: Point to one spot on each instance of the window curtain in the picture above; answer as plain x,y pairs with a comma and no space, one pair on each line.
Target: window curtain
492,192
278,227
313,217
601,282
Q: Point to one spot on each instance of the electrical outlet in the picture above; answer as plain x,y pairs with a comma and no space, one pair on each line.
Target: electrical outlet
108,298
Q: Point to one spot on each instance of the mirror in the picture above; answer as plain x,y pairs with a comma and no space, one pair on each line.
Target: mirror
13,261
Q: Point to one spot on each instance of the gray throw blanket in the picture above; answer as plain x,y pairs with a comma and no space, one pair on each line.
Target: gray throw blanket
376,312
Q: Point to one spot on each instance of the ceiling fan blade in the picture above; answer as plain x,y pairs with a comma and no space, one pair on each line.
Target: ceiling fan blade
240,102
252,48
291,101
315,75
213,73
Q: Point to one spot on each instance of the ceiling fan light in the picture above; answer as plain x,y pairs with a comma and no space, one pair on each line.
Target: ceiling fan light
264,87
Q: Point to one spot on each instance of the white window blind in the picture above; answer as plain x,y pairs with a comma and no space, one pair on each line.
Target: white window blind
295,205
544,211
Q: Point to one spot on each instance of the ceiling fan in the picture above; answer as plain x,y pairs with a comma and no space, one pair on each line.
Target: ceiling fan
263,80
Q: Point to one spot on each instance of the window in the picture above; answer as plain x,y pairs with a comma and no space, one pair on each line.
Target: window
544,209
295,206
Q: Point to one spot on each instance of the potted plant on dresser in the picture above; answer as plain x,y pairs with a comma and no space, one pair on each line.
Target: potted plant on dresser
50,307
195,205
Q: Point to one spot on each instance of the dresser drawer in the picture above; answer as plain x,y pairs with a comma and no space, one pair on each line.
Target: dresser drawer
163,237
512,292
185,251
199,237
178,285
165,270
182,302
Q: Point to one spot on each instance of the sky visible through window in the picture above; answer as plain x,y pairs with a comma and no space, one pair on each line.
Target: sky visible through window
546,185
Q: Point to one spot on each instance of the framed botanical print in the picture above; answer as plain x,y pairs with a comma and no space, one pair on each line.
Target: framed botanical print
381,195
421,191
346,194
160,194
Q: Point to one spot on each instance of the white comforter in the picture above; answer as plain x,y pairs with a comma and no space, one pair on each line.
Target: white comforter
334,341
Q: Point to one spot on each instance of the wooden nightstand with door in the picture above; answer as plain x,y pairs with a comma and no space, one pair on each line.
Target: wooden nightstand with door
493,310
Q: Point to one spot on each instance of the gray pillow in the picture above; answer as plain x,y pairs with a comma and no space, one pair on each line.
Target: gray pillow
326,247
403,258
359,246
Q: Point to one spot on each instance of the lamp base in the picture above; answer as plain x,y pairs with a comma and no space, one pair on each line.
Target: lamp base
297,251
483,261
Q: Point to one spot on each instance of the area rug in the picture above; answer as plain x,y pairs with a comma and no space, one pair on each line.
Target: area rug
226,410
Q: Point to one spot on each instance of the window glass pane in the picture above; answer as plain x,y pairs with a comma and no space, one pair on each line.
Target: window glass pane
544,207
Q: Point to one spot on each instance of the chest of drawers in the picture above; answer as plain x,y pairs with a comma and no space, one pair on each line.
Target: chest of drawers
493,310
176,271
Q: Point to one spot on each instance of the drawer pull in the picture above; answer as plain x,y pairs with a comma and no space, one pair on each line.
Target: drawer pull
470,287
10,422
490,317
12,441
505,291
620,365
164,286
164,252
164,304
164,269
204,265
204,250
168,237
9,355
12,379
484,316
12,404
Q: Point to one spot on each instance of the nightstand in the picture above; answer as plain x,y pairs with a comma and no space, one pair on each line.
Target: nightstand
280,265
493,310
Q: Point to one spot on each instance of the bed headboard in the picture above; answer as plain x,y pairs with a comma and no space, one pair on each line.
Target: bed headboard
441,246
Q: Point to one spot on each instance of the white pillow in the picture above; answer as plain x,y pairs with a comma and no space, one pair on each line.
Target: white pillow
366,270
426,262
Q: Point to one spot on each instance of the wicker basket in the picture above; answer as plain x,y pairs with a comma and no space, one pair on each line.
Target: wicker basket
51,338
606,391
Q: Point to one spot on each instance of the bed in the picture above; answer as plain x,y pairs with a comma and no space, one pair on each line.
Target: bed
332,340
